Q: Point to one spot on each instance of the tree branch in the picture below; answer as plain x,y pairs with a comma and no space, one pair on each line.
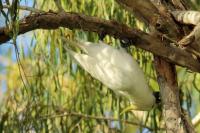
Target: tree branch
174,117
52,116
149,13
53,20
166,74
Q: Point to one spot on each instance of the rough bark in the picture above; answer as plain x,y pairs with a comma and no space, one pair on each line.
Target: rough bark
166,76
175,117
175,120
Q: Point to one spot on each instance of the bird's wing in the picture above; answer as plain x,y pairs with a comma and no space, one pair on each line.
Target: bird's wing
101,69
117,70
134,78
130,84
89,64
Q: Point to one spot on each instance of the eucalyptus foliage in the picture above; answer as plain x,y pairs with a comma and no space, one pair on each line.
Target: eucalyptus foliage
47,92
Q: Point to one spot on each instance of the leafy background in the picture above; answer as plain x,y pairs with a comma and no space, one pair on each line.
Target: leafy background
47,92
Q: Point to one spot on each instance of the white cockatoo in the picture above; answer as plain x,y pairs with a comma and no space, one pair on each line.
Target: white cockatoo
116,69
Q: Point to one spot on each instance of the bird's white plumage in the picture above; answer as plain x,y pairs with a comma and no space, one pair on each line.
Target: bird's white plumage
116,69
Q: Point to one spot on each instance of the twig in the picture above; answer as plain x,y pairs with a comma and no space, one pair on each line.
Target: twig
84,116
25,8
186,48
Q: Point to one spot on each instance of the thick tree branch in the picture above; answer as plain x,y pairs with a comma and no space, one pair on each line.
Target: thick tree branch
175,118
175,121
149,13
52,20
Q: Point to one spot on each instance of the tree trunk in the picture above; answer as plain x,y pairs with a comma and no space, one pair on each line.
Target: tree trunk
175,120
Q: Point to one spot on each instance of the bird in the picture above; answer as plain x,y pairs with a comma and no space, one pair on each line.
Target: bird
116,69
